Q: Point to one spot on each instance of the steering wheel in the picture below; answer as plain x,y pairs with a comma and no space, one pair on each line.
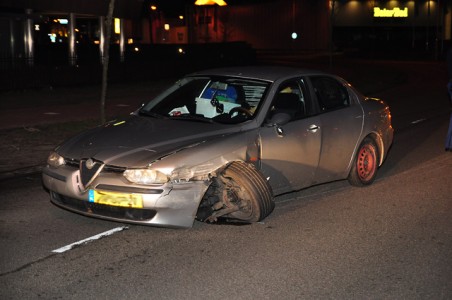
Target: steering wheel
240,110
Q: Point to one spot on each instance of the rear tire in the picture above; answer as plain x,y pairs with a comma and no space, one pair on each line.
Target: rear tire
246,187
365,165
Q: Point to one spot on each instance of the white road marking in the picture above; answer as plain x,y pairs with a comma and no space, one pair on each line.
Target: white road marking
418,121
90,239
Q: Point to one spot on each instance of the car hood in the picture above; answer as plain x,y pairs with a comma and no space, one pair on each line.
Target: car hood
138,141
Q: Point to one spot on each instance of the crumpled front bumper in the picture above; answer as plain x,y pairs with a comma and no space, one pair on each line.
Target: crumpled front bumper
168,205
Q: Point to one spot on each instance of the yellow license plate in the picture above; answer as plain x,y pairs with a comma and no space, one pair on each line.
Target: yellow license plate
115,199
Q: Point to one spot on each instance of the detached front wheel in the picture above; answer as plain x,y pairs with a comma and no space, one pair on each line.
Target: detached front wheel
239,193
364,168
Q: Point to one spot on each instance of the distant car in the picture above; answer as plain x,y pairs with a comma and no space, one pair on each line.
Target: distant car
220,144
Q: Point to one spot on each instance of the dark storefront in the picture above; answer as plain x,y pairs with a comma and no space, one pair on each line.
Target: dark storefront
416,29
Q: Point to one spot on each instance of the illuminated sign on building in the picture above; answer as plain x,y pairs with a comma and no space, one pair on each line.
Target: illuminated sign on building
117,26
211,2
390,13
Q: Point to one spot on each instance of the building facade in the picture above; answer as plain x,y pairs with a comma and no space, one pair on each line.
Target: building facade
53,38
415,28
74,32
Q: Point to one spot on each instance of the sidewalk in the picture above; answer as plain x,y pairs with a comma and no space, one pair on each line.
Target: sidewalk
33,122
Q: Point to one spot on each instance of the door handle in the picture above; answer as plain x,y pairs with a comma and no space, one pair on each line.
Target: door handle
313,128
279,131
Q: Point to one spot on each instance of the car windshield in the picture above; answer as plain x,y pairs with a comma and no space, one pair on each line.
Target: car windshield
209,99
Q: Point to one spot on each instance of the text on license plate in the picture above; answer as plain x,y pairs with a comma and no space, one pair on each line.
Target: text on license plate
115,199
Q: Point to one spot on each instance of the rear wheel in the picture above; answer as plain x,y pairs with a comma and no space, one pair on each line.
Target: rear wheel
364,169
241,193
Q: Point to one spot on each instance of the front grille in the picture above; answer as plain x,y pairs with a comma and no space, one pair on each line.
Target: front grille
75,163
88,208
129,190
113,169
89,172
72,163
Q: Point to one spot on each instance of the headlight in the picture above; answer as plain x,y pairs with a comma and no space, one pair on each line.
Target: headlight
145,176
182,174
55,160
198,172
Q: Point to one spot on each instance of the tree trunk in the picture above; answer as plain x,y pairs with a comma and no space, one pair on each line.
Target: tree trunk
105,60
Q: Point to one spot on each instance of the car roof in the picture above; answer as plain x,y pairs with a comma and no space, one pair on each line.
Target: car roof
267,73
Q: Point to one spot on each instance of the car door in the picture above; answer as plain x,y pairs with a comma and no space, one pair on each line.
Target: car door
290,150
341,117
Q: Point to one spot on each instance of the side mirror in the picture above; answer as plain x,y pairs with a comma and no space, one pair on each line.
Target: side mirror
279,119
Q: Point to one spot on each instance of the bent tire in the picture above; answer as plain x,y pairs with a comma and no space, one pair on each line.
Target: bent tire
246,187
365,165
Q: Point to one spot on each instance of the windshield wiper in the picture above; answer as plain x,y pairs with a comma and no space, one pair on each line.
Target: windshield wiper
143,112
188,117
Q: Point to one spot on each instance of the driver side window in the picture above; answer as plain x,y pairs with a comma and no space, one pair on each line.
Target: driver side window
290,100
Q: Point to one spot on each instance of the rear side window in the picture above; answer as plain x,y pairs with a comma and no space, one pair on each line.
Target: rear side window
331,94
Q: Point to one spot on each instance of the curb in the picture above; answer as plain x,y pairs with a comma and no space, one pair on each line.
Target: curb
32,170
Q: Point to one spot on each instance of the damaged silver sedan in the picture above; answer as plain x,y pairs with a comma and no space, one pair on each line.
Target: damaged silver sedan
220,144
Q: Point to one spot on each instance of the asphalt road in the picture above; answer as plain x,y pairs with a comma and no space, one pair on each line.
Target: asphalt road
391,240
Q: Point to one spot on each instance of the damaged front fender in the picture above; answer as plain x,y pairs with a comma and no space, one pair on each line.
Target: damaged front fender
202,161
